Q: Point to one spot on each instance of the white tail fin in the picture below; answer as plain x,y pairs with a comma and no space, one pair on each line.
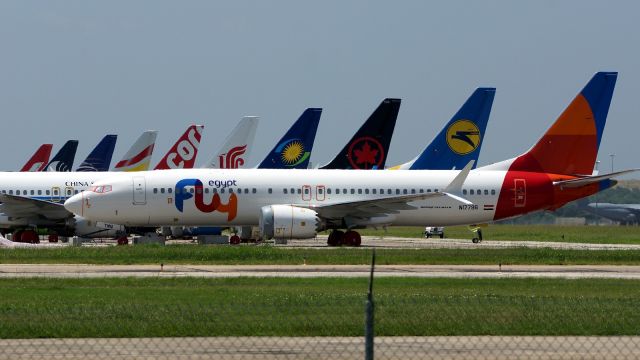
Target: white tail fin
138,157
236,147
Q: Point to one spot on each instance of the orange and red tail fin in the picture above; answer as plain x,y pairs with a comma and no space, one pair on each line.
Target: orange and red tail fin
39,160
570,145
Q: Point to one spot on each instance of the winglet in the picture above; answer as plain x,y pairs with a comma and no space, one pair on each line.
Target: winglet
455,187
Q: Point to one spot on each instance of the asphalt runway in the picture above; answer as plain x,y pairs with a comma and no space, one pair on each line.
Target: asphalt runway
313,271
400,347
391,242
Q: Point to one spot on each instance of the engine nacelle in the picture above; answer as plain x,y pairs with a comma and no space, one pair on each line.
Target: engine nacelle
288,222
96,229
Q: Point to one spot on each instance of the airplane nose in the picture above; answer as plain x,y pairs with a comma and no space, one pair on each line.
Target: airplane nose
74,204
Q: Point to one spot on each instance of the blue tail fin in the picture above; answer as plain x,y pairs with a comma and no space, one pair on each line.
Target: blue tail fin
461,139
100,158
294,149
63,160
368,148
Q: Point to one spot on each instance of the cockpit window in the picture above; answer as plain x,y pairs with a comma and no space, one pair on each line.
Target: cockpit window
101,189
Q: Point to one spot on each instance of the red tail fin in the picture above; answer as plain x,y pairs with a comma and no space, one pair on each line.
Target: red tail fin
39,160
183,153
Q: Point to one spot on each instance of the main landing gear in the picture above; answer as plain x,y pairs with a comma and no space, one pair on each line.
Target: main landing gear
349,238
478,238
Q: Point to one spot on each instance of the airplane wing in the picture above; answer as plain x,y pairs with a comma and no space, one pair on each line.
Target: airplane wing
390,205
23,207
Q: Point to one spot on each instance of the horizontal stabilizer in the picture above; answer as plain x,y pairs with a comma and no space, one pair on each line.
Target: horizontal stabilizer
574,183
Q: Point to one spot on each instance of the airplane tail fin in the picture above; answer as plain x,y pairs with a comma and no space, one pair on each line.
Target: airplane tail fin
570,145
139,155
63,160
182,154
461,139
294,148
39,159
100,157
237,146
369,147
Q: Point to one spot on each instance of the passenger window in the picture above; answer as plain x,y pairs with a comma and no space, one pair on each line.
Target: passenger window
421,191
493,192
479,192
329,191
230,190
155,190
464,192
337,191
353,191
162,190
374,191
428,190
10,192
389,191
48,192
293,191
246,191
471,191
270,191
222,191
404,191
284,191
359,191
214,190
397,191
206,190
33,192
366,191
320,191
486,192
169,190
413,191
254,190
306,191
75,192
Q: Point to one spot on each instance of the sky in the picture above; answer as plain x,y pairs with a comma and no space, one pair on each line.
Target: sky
82,69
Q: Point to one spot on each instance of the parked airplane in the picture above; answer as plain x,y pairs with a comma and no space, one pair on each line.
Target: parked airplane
183,153
626,214
39,159
555,171
236,147
368,148
139,155
294,148
460,140
100,157
36,201
63,160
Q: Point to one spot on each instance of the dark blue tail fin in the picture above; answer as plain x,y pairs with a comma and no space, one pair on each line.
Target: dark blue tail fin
461,139
294,149
369,147
100,158
63,160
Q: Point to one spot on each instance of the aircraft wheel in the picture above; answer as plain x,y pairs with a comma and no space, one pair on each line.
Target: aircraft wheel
475,240
335,238
123,240
234,240
53,238
441,236
30,236
352,238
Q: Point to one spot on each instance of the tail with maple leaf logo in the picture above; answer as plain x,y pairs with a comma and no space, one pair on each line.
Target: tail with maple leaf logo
294,148
368,148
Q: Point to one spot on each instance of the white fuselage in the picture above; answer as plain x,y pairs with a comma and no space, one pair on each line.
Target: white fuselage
150,199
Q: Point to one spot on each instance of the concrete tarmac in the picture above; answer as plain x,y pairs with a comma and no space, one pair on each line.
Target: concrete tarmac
400,347
313,271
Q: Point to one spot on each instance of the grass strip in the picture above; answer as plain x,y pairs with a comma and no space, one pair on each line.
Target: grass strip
114,307
261,255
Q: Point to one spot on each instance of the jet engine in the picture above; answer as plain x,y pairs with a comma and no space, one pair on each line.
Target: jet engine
96,229
288,222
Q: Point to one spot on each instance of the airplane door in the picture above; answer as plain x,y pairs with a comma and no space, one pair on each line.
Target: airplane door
55,194
520,192
306,193
139,190
320,192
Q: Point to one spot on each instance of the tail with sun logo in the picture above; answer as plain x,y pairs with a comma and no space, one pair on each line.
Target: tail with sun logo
368,148
294,148
460,140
